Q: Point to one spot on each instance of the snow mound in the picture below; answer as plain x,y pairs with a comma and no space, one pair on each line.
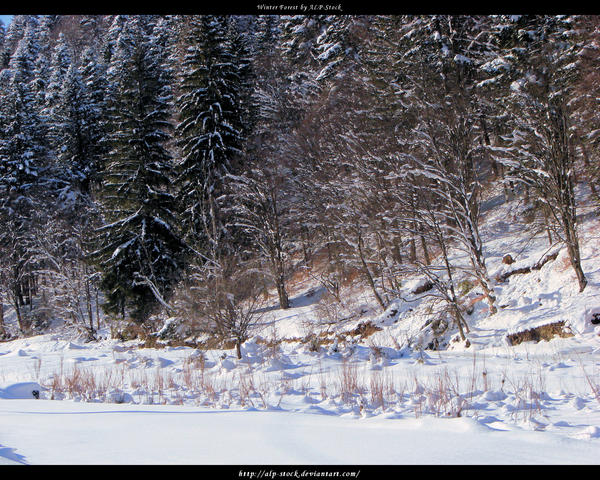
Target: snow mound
164,362
277,363
588,433
23,390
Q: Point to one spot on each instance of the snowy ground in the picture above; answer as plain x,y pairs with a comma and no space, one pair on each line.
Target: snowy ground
47,432
530,406
382,400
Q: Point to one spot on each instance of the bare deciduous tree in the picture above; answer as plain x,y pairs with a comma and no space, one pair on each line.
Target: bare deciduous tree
228,300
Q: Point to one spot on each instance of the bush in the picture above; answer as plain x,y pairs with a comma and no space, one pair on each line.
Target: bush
465,287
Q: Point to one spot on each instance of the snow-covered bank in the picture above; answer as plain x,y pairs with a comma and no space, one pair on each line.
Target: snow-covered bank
47,432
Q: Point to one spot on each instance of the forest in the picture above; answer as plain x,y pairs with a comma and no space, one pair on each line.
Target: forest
169,174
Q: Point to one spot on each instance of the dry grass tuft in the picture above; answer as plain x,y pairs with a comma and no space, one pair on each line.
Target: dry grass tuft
543,332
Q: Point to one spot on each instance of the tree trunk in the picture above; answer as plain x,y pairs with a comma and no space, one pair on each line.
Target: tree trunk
456,313
486,139
509,190
397,255
480,270
426,257
586,162
568,215
578,271
306,246
17,305
238,348
489,296
575,256
368,274
277,270
284,301
88,297
97,311
412,252
2,329
549,235
458,319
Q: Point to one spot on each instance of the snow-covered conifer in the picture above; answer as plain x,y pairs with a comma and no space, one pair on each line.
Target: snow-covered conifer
139,252
208,129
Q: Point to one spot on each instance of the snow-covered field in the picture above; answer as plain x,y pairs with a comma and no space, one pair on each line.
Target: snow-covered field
47,432
384,399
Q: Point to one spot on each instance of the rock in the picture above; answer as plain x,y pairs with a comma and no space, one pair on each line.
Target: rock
508,259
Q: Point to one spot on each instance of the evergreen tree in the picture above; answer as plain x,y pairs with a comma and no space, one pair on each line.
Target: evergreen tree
140,253
14,34
109,41
23,60
75,132
241,55
93,76
208,129
338,46
266,35
59,65
23,146
26,183
298,45
42,63
2,41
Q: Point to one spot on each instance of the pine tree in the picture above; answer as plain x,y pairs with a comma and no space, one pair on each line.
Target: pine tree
93,76
26,183
42,63
23,146
22,61
298,45
208,130
241,55
74,132
14,34
59,65
109,41
339,45
2,42
140,253
299,34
